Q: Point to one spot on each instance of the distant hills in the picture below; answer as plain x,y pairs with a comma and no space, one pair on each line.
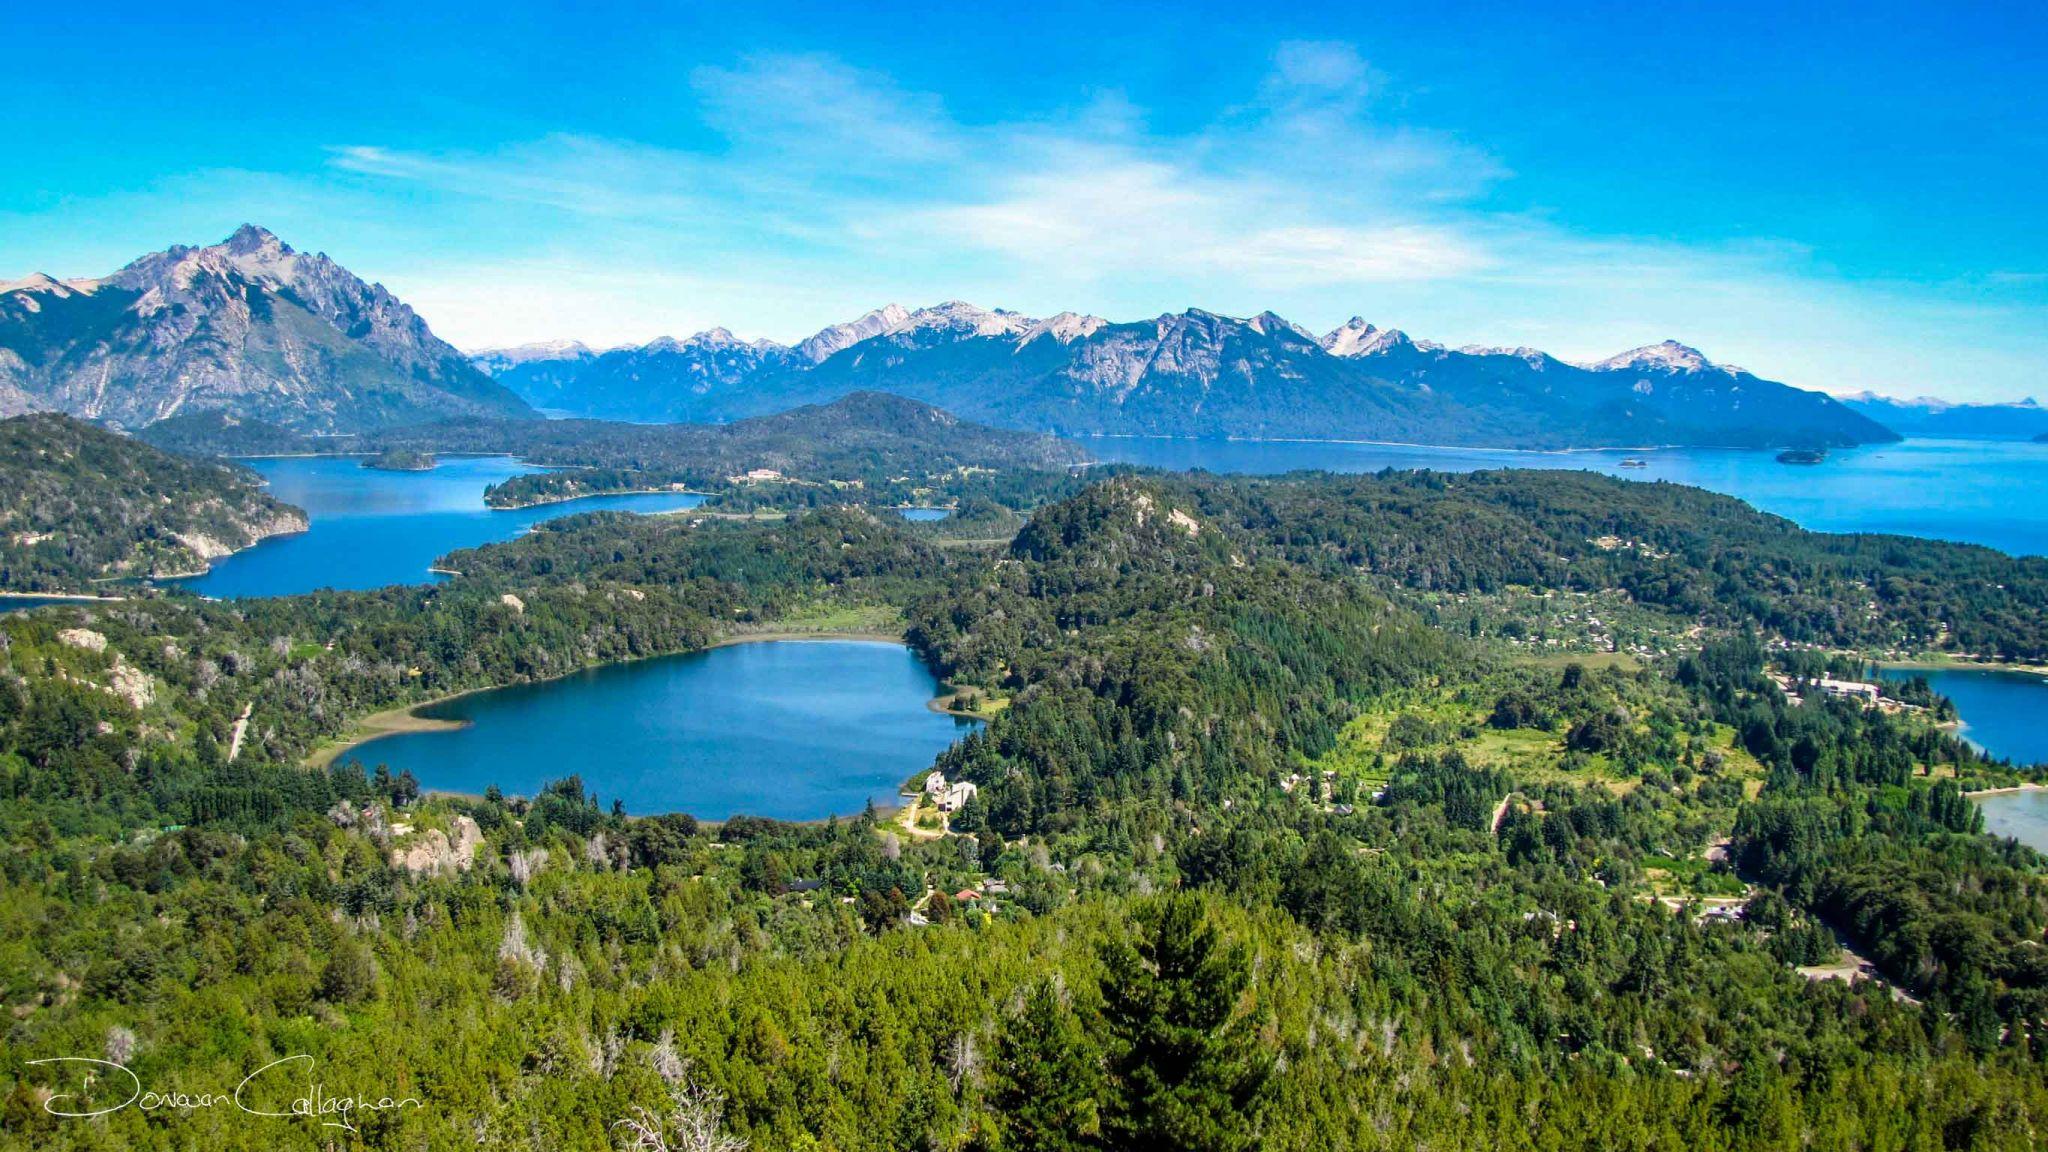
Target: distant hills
1194,373
870,439
248,326
80,505
1933,419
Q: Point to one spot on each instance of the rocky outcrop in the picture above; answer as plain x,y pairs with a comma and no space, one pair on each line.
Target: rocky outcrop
436,853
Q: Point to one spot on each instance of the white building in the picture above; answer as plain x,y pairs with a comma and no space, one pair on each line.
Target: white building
950,797
1855,688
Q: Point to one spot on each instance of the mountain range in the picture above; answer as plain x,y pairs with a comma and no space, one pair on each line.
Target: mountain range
260,332
249,326
1193,373
1935,419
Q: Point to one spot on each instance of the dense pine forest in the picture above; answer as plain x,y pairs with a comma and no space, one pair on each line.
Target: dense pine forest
1383,812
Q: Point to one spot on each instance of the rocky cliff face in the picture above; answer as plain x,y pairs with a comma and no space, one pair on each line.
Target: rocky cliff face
249,326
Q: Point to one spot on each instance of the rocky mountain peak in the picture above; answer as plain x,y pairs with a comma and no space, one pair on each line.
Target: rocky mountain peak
1359,338
249,325
838,336
963,319
251,239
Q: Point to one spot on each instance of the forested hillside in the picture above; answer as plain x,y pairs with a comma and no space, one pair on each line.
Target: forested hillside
1693,555
862,448
1275,847
80,506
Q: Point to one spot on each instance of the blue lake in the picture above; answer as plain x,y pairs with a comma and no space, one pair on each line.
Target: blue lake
371,528
794,730
2005,714
1978,491
923,515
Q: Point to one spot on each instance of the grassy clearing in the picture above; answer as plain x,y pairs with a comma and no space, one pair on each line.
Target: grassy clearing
829,619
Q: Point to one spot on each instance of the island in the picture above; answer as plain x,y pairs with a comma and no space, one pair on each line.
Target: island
1803,456
400,460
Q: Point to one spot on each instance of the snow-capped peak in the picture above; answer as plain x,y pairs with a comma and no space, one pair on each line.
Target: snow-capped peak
1359,338
1065,327
536,351
838,336
258,254
712,340
965,319
1669,356
1535,356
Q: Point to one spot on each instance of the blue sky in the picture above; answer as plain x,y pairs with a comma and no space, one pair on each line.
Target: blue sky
1842,199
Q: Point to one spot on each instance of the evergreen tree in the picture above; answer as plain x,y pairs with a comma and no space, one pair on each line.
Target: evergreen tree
1046,1076
1184,1065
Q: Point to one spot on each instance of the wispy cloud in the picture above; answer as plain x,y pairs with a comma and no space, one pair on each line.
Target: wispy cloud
806,189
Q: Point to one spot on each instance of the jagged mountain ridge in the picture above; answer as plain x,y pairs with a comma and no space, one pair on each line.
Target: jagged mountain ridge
1198,373
249,326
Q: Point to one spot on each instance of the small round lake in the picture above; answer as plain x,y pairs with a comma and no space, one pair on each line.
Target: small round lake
371,528
792,729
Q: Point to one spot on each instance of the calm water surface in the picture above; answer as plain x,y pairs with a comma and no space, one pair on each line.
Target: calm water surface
24,603
2006,714
1978,491
794,730
2020,815
371,528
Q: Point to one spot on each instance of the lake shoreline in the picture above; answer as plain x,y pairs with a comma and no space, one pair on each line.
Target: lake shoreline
1586,450
1936,663
405,718
68,597
642,753
553,500
2008,790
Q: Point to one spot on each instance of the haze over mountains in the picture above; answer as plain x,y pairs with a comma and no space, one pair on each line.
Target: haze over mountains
1936,419
258,331
248,325
1194,373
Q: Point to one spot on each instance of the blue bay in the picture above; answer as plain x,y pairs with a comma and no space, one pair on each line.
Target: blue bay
1986,492
371,528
